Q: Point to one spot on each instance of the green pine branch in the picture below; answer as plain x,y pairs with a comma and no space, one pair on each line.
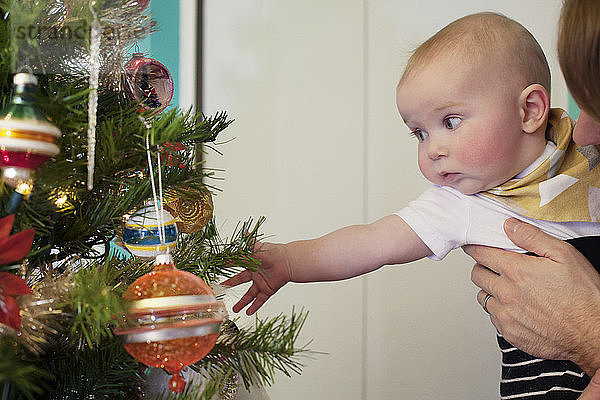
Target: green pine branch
93,302
102,372
210,256
19,378
257,354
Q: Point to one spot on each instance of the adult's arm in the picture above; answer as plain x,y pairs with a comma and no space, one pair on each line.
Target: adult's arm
547,306
592,392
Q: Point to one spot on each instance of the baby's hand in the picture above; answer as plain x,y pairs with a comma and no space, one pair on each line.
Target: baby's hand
266,280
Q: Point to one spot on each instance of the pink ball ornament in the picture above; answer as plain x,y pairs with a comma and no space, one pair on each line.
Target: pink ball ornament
142,4
149,83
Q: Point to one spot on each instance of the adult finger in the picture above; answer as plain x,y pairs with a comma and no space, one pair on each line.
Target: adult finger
592,391
481,295
492,257
484,278
532,239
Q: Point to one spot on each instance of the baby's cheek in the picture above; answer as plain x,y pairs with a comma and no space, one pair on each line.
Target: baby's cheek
427,170
485,153
478,158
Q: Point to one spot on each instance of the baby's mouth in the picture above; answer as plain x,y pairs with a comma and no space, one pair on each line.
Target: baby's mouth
448,177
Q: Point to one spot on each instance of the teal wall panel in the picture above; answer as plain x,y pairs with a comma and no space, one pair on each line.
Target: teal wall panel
573,108
163,45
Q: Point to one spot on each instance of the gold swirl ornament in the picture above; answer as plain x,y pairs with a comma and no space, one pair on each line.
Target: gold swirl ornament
191,212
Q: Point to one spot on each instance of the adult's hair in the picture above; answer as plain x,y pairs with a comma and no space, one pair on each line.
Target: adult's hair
486,36
579,52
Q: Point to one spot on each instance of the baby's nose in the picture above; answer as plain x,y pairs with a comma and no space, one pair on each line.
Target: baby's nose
436,149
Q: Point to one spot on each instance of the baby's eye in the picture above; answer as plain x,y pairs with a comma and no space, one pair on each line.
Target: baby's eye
419,134
451,122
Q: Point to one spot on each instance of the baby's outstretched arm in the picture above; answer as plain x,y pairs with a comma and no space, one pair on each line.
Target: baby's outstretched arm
342,254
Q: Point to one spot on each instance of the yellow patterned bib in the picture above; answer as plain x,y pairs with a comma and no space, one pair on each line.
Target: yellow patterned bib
565,187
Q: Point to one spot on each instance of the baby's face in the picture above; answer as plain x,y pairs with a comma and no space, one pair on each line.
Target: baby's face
467,122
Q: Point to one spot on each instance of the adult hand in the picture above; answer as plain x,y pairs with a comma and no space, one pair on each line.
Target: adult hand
547,306
592,391
273,274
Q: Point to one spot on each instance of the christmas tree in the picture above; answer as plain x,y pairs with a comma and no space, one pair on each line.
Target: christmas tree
108,224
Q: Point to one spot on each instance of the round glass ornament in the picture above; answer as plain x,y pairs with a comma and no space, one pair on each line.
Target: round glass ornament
141,232
148,82
173,319
142,4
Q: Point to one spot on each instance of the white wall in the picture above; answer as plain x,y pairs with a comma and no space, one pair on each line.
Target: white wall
319,145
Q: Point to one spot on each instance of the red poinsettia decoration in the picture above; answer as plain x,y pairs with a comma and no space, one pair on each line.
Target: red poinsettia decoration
172,154
12,248
11,285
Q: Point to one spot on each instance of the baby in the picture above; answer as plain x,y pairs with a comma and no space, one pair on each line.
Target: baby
475,95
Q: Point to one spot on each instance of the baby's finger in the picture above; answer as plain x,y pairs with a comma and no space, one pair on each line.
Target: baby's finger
258,302
242,277
246,299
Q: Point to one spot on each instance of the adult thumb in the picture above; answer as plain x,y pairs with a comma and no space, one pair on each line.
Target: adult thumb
532,239
592,391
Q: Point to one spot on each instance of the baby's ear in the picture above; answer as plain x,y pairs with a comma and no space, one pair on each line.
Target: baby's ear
534,104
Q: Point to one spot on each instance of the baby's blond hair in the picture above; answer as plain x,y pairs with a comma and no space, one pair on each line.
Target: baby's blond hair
486,36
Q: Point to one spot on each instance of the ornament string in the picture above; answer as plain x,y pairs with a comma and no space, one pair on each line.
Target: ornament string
155,198
161,221
95,39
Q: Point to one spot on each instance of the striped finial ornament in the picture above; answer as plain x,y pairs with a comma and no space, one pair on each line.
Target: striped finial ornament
27,137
